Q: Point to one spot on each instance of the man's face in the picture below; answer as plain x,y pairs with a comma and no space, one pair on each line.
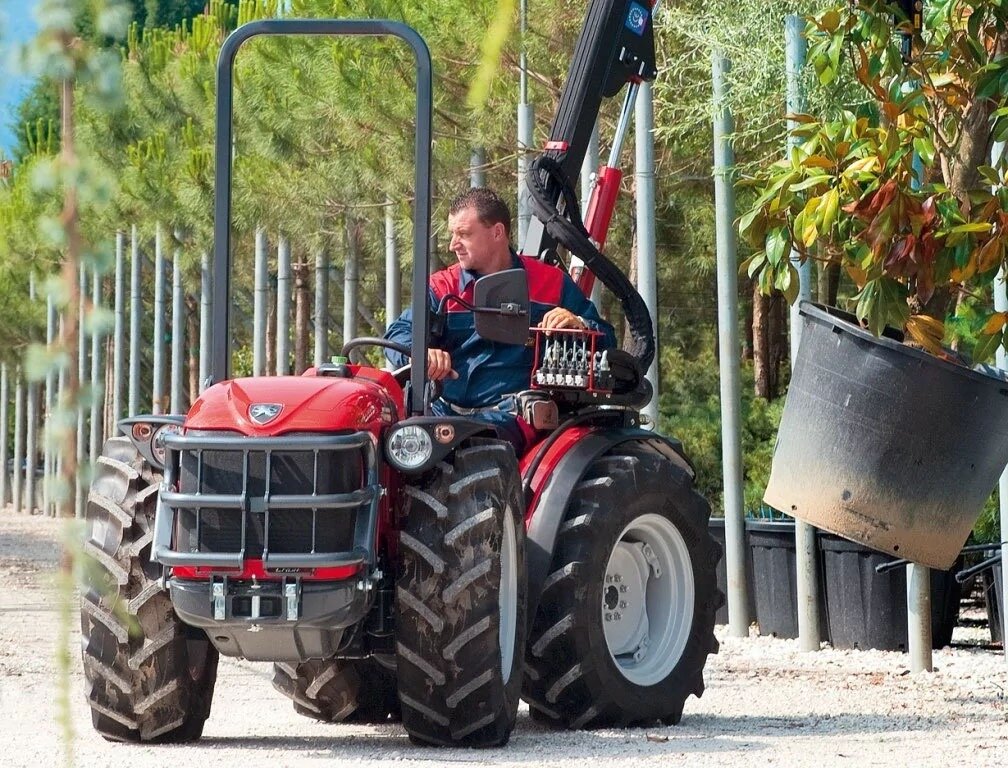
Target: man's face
478,247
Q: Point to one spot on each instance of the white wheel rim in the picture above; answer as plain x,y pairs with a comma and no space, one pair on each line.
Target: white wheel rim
647,599
507,594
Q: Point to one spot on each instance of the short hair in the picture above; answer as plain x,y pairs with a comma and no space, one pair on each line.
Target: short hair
488,206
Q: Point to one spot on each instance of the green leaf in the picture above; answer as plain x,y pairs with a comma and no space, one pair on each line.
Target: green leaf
985,347
777,245
925,149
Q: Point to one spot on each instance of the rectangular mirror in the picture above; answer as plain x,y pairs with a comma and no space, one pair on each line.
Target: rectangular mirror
506,293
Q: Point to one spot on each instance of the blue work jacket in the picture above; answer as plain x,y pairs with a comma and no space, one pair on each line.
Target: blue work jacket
488,370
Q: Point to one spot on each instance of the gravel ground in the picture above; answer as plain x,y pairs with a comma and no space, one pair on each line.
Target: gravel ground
765,704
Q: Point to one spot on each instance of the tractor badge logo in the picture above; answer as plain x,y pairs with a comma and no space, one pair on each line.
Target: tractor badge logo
637,19
264,413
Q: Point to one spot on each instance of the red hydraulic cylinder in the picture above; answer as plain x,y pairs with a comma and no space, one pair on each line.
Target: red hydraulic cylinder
600,211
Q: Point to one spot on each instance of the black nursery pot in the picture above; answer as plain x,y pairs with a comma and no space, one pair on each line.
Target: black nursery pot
884,444
868,609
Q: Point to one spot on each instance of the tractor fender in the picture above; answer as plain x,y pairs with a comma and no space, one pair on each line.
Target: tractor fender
548,509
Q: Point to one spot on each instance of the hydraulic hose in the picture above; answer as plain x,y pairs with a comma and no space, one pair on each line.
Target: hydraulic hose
569,231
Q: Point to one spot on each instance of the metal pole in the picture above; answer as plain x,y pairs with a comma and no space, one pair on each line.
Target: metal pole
160,310
350,283
1001,305
728,349
589,173
393,286
283,306
206,291
806,554
31,426
526,123
19,408
48,457
321,306
4,457
177,334
647,272
18,438
918,597
477,167
259,304
82,354
135,308
119,332
97,373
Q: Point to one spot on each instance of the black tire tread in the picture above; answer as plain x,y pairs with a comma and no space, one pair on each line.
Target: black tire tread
564,684
143,685
450,682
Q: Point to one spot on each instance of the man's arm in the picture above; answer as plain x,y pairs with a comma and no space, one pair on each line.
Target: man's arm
439,362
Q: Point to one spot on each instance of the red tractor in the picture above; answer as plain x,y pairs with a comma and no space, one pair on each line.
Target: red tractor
395,564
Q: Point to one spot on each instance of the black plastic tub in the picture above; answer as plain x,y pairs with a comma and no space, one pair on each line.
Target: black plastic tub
885,444
717,531
994,597
868,609
771,545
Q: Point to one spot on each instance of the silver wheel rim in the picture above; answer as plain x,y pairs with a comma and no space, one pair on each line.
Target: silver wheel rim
647,599
507,594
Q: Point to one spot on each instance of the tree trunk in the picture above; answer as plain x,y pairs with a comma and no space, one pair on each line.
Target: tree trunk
777,341
192,334
302,310
761,351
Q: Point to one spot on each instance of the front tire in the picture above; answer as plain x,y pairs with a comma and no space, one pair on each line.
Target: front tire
150,678
625,622
460,599
339,690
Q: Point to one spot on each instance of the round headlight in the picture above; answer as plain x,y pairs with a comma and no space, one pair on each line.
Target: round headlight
157,441
409,447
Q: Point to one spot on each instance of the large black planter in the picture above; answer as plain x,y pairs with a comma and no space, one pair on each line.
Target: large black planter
771,546
868,610
884,444
718,533
994,597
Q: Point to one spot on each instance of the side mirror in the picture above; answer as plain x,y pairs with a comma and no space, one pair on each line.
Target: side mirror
502,307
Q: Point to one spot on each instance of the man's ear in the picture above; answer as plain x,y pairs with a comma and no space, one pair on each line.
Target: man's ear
499,232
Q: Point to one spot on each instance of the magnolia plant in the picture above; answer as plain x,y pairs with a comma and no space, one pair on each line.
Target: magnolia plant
899,189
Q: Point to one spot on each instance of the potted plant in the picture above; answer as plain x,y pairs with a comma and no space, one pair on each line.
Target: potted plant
888,436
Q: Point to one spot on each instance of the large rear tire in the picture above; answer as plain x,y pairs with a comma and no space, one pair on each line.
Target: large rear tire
339,690
150,678
460,599
625,622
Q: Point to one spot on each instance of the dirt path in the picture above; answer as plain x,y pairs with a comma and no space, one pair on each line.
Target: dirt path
766,704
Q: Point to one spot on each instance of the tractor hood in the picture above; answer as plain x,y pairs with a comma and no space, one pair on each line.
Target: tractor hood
278,404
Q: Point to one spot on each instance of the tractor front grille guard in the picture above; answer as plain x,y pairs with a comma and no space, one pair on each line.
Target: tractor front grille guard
295,501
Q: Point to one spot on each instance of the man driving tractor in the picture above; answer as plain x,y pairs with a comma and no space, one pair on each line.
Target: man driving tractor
480,377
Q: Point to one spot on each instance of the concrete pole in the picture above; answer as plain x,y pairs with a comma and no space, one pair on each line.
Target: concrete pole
206,290
283,306
1001,305
806,552
178,346
259,304
321,306
82,375
393,284
351,282
97,375
135,332
119,332
160,312
19,457
58,401
729,351
477,167
48,456
647,246
526,125
4,415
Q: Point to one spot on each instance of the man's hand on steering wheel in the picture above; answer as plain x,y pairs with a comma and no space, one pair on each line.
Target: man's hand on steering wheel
439,365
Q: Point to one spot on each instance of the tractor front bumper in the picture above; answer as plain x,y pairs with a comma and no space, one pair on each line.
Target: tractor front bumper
288,620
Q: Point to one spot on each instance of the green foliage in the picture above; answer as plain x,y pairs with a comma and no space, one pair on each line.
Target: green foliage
690,410
898,193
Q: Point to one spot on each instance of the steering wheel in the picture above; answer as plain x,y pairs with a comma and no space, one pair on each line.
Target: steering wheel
401,375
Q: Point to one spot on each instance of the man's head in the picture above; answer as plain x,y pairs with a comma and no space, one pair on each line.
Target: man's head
480,226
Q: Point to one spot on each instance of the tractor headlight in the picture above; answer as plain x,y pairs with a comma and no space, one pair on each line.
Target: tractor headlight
157,441
409,447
